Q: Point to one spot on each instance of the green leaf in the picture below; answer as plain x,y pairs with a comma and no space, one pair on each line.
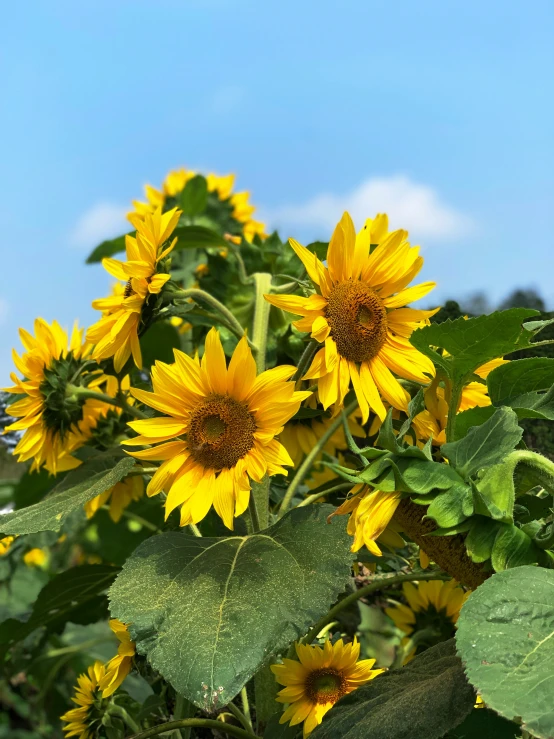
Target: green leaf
513,548
158,343
193,199
32,487
106,249
81,485
67,597
484,724
480,539
197,237
452,507
319,248
484,445
472,342
275,730
505,638
518,377
209,612
472,417
420,701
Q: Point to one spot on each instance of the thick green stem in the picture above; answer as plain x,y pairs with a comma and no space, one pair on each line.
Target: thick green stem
246,707
367,590
84,392
453,405
120,712
322,493
183,709
311,457
265,691
204,723
195,531
239,715
262,282
202,296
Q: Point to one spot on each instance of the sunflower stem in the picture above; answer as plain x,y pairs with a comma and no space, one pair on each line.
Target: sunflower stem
239,715
311,457
368,590
454,397
244,277
206,723
246,707
120,712
85,393
195,530
262,283
258,505
202,296
305,360
265,691
322,493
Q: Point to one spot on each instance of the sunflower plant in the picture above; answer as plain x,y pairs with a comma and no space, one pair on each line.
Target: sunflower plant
262,495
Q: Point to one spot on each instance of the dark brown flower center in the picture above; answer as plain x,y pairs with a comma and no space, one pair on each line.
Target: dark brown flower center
221,432
326,685
358,320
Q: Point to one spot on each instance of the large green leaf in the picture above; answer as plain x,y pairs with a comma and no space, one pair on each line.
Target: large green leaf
81,485
420,701
208,612
484,445
193,199
159,342
70,596
197,237
505,638
485,724
518,377
106,249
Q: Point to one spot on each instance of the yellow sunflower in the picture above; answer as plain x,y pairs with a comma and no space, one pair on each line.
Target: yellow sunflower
358,312
119,497
432,421
371,512
218,430
35,557
319,679
5,544
116,334
84,721
55,426
119,666
222,186
433,608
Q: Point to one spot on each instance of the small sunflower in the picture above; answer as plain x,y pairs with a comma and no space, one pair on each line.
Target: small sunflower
358,313
119,496
84,721
218,430
54,425
119,666
35,557
116,334
221,186
5,544
371,512
431,423
433,607
319,679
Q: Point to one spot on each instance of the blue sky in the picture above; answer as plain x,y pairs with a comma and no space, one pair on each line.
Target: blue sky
440,112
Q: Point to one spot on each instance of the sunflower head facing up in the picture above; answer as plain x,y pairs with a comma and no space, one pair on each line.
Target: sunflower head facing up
218,429
358,311
125,314
432,610
55,424
318,679
84,721
220,188
370,524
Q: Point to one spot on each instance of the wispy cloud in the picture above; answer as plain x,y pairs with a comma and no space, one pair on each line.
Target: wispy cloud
100,222
410,205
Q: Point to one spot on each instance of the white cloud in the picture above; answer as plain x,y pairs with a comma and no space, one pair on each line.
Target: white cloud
410,205
102,221
4,311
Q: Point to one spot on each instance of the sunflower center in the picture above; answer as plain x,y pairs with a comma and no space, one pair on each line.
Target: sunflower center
358,320
325,686
221,432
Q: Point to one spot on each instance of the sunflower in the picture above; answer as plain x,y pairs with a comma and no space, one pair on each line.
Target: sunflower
433,607
358,313
227,420
119,497
5,544
116,334
55,426
431,423
119,666
371,512
319,679
221,186
84,721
